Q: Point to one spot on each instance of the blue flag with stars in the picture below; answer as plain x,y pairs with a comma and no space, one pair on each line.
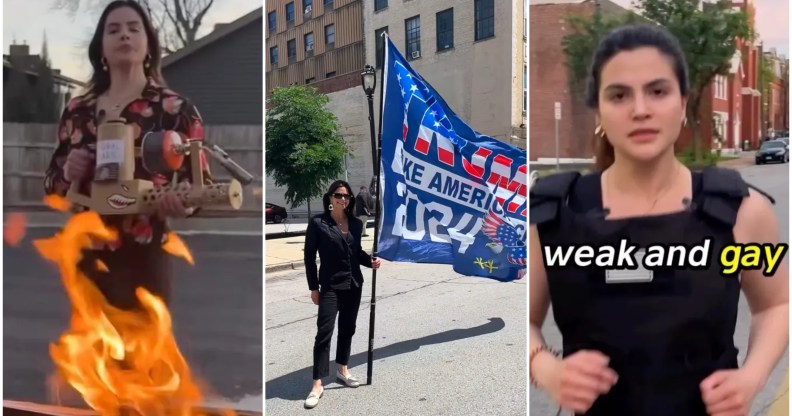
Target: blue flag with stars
450,195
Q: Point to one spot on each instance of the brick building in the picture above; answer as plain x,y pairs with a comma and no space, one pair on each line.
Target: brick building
776,104
320,42
730,110
550,83
471,51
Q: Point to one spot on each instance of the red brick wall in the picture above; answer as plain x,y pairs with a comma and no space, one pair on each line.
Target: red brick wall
775,106
549,82
735,112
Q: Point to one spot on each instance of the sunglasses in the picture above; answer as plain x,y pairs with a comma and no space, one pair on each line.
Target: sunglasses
342,196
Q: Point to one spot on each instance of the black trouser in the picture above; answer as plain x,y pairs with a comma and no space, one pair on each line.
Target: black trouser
345,303
131,266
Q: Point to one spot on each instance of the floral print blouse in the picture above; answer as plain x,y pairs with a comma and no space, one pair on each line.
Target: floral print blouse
158,109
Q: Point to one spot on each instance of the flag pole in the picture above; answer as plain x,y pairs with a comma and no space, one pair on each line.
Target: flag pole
376,150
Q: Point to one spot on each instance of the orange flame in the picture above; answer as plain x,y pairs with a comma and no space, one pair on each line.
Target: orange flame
57,202
120,361
175,246
14,231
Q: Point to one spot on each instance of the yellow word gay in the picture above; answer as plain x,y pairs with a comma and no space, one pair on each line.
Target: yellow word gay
735,258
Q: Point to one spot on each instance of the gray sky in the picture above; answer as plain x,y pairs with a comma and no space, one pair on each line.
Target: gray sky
772,23
67,37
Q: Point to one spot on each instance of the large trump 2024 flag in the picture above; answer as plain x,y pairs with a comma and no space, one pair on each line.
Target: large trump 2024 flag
450,195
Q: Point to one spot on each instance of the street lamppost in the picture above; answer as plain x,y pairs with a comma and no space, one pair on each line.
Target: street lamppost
369,81
369,84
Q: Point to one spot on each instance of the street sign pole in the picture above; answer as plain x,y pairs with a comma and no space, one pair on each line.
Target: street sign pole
557,119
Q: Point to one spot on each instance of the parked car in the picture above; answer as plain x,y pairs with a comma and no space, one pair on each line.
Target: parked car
274,213
773,151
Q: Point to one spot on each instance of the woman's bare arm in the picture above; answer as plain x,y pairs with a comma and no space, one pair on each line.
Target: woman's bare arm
539,303
768,297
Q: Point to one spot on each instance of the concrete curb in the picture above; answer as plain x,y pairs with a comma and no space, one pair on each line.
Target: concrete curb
279,267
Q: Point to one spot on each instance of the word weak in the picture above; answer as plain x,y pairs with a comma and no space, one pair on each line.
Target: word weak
733,258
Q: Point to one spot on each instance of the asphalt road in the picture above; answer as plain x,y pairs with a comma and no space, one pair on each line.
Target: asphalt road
444,344
217,312
773,179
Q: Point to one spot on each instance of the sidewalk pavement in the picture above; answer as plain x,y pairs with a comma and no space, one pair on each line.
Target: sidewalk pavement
287,253
744,159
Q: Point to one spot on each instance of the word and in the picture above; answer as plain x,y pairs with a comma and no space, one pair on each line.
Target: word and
732,259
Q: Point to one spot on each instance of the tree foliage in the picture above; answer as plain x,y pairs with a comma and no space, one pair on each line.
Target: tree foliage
767,77
304,148
579,46
707,32
177,21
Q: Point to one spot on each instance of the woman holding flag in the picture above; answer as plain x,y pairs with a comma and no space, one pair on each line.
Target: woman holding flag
337,286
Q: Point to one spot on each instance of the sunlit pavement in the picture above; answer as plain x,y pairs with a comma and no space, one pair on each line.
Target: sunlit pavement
444,344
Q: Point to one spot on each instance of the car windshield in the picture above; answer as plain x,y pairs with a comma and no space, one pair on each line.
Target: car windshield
773,145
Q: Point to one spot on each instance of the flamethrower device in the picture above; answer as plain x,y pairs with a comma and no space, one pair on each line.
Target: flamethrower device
115,191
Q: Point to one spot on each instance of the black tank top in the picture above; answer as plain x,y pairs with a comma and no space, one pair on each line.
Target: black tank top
663,336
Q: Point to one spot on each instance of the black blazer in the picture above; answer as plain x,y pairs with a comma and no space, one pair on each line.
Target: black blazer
340,260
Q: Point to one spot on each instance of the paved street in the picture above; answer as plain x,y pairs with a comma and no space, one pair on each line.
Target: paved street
444,345
217,312
772,179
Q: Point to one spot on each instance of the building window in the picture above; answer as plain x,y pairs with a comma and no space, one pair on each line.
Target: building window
290,12
330,34
291,50
330,74
310,80
412,28
309,44
380,4
328,2
379,40
272,18
274,56
445,30
485,19
307,6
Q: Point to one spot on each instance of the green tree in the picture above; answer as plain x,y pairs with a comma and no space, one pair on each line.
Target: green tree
766,79
707,33
304,149
579,45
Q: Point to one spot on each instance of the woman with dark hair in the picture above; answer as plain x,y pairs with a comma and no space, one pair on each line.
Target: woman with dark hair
337,286
126,84
656,339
